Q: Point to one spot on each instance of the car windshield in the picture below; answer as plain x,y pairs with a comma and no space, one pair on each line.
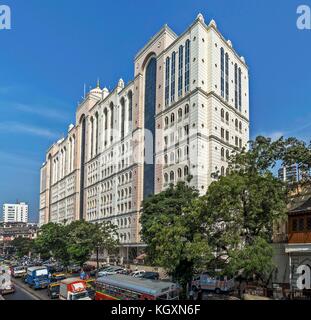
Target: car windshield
79,296
55,289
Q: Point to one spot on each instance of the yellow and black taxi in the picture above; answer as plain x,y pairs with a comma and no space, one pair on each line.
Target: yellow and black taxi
90,287
53,290
56,277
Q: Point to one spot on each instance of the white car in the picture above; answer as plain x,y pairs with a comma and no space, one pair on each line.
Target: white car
138,273
110,271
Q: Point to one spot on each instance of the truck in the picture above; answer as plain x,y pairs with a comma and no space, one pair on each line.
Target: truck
6,286
218,283
73,289
37,277
18,271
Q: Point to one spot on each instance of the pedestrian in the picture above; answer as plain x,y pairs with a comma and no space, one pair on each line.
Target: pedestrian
191,294
200,293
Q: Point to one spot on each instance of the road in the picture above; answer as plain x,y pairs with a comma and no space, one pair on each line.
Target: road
20,294
23,292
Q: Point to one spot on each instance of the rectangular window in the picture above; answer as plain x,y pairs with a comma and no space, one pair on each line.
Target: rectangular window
186,130
222,78
173,77
227,77
236,85
180,69
187,66
240,89
167,81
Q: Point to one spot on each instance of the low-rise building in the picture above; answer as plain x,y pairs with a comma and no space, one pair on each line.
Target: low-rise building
292,244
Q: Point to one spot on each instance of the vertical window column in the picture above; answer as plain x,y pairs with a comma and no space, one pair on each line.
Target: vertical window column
236,85
167,81
222,77
240,89
173,77
180,70
227,77
187,66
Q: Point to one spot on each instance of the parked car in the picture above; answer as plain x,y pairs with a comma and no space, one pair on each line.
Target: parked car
151,275
138,273
110,271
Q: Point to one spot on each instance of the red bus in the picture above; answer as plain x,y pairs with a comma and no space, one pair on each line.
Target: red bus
123,287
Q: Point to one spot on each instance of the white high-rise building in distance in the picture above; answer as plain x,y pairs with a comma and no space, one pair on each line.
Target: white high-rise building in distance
15,212
184,112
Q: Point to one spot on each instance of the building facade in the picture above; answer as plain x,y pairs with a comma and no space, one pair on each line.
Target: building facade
184,112
292,245
15,212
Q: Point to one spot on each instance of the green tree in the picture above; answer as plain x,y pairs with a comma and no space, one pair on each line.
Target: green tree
174,233
52,242
23,246
104,237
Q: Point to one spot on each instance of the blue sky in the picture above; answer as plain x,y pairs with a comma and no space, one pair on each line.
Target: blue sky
56,46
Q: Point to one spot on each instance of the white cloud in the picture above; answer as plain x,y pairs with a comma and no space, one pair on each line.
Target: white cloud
16,127
41,111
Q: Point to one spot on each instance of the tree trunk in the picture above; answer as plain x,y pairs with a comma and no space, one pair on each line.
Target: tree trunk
97,258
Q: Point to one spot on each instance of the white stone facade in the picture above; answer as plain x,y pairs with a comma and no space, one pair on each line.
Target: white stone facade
98,172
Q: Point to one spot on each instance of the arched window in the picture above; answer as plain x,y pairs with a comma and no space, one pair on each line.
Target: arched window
186,171
179,173
187,66
222,153
180,69
172,118
165,159
222,77
166,121
173,71
91,137
172,176
222,133
167,80
186,109
166,178
227,117
236,125
122,118
172,157
179,114
240,126
178,156
130,100
222,171
222,114
111,121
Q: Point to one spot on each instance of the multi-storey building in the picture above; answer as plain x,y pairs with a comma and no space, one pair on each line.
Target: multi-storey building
15,212
184,112
289,174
